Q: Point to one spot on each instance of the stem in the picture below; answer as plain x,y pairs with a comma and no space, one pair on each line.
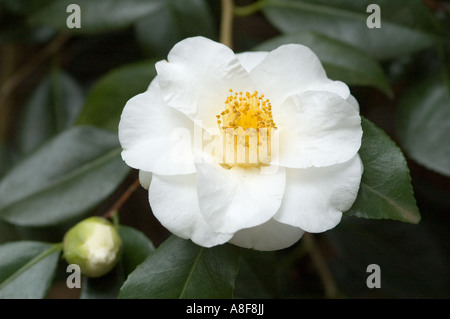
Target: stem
325,275
116,221
226,25
31,263
9,53
249,9
122,199
443,49
10,85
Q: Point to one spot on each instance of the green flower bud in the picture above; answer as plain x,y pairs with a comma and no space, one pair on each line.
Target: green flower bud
94,245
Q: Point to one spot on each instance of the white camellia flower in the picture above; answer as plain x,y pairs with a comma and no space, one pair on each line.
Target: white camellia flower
252,148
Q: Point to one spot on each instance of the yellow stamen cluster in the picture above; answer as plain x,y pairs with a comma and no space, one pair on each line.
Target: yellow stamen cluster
246,127
246,111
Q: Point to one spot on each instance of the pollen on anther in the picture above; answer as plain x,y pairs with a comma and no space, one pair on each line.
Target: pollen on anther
246,110
247,116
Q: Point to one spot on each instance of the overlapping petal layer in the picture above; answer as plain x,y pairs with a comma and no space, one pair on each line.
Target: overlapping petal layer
174,203
237,198
197,76
292,69
316,197
155,137
317,129
271,235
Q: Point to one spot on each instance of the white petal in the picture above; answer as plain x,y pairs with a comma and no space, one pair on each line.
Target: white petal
316,197
155,137
271,235
250,60
238,198
174,203
145,179
317,129
197,77
337,87
292,69
351,99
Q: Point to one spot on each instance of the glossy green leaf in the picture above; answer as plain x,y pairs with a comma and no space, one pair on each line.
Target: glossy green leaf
105,102
53,107
257,276
340,60
32,282
423,125
386,190
406,25
96,16
63,179
176,20
105,287
181,269
249,285
136,248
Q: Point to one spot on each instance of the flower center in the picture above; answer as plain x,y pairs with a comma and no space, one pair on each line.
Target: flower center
246,127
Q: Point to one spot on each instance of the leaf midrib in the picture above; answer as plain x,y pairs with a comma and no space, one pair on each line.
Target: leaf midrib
405,213
191,272
67,177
